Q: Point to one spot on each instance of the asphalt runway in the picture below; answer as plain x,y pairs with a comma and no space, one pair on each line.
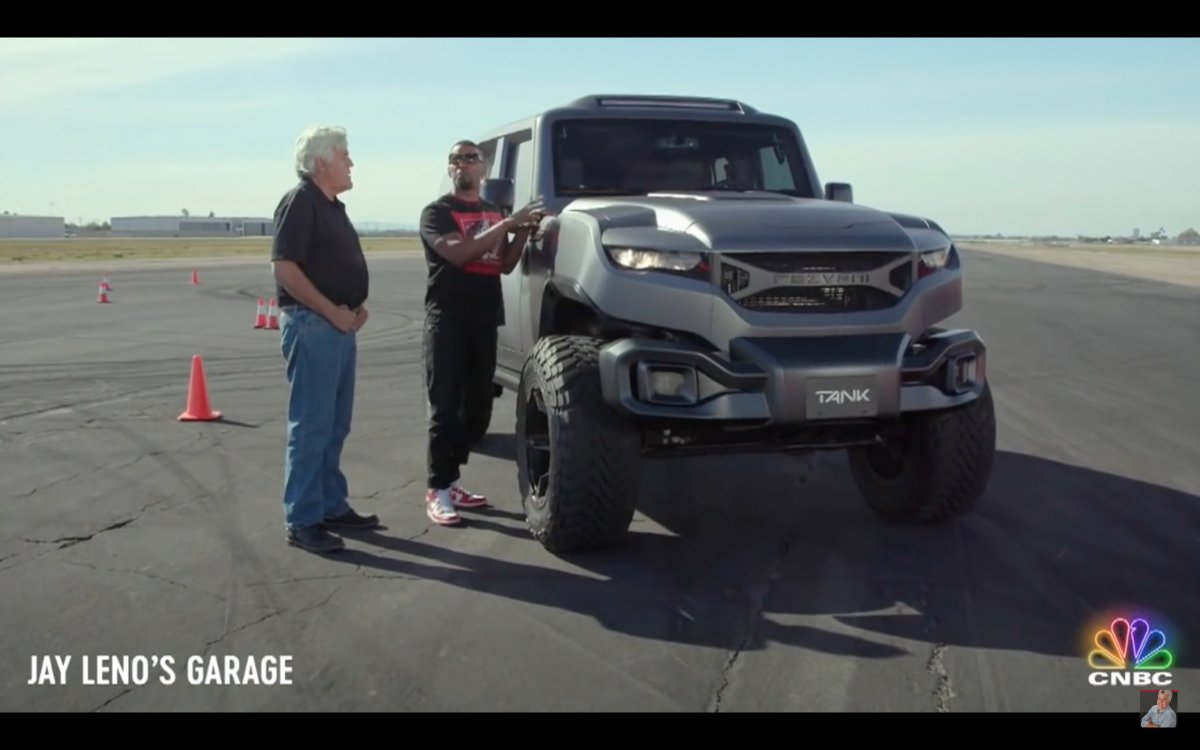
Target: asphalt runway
746,586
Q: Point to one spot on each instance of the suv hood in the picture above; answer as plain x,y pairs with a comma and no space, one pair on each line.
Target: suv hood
733,221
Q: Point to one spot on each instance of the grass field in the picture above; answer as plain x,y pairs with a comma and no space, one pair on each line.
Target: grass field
125,248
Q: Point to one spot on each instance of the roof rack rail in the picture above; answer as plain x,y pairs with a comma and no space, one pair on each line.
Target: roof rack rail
676,102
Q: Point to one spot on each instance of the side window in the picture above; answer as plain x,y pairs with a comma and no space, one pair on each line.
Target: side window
776,176
721,170
519,167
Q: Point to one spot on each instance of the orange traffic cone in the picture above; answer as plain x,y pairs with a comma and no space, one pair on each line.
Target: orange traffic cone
105,285
195,278
102,297
260,320
273,316
198,408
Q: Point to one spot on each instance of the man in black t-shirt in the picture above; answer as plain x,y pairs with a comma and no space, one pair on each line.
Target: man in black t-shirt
467,249
322,283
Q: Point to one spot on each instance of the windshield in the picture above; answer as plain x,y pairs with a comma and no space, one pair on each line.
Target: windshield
608,157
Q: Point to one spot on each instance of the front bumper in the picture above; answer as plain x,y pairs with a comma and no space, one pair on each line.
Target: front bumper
791,381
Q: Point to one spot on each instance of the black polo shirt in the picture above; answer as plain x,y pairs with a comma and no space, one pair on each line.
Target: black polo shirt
315,232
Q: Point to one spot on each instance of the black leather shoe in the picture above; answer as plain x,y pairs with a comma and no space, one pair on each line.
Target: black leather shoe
352,520
315,539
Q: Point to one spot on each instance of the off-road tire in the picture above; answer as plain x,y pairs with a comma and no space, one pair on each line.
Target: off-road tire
587,500
946,465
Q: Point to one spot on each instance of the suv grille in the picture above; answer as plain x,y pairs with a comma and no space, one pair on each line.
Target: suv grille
859,294
820,299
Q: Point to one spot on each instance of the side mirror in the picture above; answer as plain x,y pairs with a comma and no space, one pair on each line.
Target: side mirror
498,191
839,191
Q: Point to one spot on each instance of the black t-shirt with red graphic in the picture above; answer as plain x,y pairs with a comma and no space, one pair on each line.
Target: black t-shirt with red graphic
474,289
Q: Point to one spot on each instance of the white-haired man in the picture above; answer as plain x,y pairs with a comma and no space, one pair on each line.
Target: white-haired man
322,283
1160,715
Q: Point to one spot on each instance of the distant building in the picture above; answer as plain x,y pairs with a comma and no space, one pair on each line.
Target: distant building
252,226
192,226
32,227
258,227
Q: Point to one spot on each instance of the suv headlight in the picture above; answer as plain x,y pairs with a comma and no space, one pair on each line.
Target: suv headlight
641,259
932,261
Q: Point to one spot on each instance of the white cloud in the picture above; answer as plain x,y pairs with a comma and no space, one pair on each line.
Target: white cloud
34,70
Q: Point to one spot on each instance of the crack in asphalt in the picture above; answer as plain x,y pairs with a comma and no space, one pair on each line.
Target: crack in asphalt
70,541
302,579
393,490
944,691
758,601
146,574
32,413
272,614
358,573
69,477
226,634
121,694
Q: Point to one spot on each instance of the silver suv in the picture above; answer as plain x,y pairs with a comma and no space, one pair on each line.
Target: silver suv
699,291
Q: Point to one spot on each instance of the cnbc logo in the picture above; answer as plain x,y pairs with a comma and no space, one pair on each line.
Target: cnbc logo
1130,653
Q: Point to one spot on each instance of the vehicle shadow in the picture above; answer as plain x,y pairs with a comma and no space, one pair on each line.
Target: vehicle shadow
1052,552
497,445
735,552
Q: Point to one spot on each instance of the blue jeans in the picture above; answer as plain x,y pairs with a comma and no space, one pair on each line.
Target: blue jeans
321,363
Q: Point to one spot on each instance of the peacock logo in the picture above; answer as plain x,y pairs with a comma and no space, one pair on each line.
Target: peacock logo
1130,653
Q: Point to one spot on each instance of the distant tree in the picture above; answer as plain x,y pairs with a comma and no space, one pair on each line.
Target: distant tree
212,214
184,212
1189,237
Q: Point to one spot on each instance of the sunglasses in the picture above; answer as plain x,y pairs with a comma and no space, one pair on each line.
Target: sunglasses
466,159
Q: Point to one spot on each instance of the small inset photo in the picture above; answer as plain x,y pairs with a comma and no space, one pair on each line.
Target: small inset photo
1159,708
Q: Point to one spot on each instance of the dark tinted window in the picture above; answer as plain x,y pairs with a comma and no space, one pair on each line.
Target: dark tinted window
606,157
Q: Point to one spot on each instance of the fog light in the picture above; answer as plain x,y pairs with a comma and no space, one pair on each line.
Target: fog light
666,384
963,373
966,371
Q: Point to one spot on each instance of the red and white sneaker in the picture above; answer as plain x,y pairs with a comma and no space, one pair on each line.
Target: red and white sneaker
440,508
463,499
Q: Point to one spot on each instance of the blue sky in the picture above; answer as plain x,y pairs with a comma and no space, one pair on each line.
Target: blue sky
1037,136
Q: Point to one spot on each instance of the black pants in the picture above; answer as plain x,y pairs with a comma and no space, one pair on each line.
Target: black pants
460,361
